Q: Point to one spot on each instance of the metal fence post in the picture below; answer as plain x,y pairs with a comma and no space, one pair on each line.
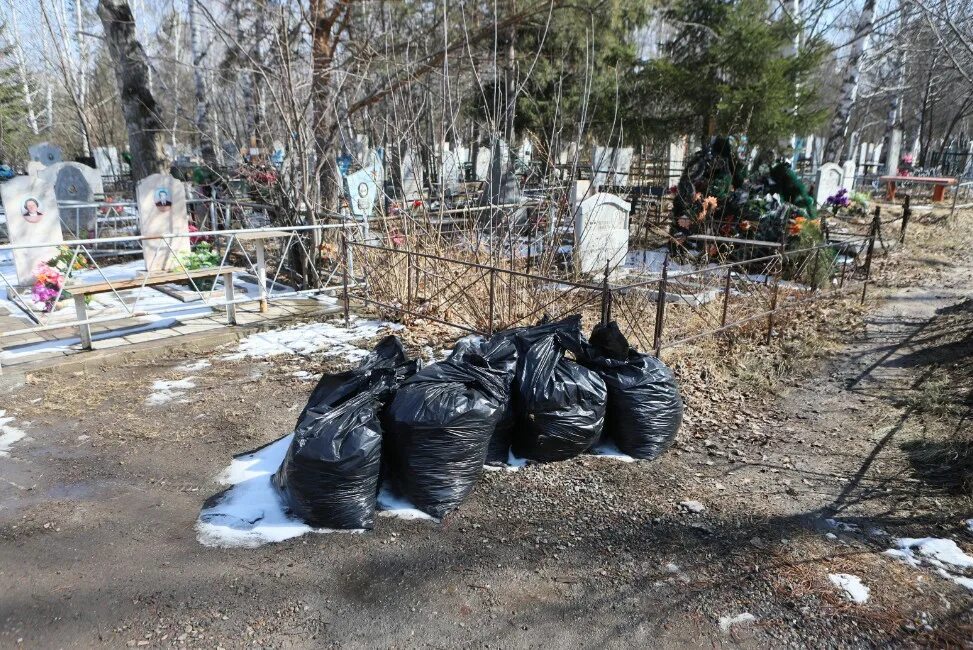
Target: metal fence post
605,297
660,307
344,275
726,296
906,213
952,209
871,249
814,270
490,316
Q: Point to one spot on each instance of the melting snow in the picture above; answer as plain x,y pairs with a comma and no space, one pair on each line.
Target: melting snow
166,391
8,434
194,366
726,622
943,554
333,338
609,450
393,505
251,513
851,585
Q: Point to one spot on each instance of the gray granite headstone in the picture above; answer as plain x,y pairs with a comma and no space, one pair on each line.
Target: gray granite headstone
71,187
502,187
45,152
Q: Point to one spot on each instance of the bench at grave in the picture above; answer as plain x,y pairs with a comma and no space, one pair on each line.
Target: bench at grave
938,191
80,290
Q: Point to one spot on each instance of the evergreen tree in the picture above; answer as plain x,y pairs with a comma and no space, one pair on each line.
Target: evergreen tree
730,67
13,123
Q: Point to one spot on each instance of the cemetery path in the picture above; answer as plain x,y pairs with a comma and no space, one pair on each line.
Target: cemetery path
98,505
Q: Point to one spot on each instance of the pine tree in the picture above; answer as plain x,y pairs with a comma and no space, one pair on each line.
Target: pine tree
729,68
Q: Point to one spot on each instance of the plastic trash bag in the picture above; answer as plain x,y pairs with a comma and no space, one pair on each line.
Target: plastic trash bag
560,404
333,389
439,424
644,406
501,354
330,475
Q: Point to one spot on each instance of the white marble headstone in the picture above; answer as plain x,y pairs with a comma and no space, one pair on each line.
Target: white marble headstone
362,193
601,233
828,182
34,168
32,218
412,176
848,176
451,172
162,211
107,161
482,163
610,165
375,164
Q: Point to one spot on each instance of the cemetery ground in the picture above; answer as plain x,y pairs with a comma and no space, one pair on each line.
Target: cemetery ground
799,464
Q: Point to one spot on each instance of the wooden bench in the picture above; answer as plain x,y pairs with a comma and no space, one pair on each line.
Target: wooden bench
939,185
80,291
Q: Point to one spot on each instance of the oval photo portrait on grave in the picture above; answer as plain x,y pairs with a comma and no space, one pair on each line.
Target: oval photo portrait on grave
32,210
163,200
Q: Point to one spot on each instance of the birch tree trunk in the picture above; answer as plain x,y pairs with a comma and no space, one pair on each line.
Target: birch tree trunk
206,147
146,132
838,131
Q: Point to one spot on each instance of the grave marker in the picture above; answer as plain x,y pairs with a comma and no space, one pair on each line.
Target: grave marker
828,182
848,176
601,233
362,193
46,153
32,218
162,211
610,165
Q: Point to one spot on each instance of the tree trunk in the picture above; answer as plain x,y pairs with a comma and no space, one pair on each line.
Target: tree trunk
146,131
324,16
838,131
206,147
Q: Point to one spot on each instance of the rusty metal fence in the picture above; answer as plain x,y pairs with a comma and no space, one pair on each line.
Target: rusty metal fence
656,313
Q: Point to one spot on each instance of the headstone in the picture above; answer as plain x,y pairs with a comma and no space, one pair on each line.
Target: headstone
526,150
46,153
451,171
482,163
375,164
362,193
848,176
411,176
107,161
610,165
463,153
162,211
580,190
502,186
91,175
34,168
32,218
894,153
828,182
601,233
71,186
677,159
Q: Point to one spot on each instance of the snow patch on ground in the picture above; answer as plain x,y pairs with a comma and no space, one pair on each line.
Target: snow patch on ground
609,450
194,366
391,504
303,375
251,513
942,554
851,585
726,622
8,433
513,464
166,391
333,338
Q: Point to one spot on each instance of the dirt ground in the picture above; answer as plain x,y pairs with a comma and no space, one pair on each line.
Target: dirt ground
855,422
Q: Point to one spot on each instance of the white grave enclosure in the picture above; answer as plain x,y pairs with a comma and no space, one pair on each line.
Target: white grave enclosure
601,233
828,182
162,211
32,218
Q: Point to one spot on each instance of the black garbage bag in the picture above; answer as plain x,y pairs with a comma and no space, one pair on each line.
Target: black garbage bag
560,404
500,353
439,424
330,475
644,406
333,389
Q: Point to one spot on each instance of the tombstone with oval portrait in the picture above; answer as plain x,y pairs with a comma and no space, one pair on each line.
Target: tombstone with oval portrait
162,211
32,218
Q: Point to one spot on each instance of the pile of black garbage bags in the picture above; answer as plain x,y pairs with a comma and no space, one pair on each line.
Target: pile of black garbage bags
543,393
